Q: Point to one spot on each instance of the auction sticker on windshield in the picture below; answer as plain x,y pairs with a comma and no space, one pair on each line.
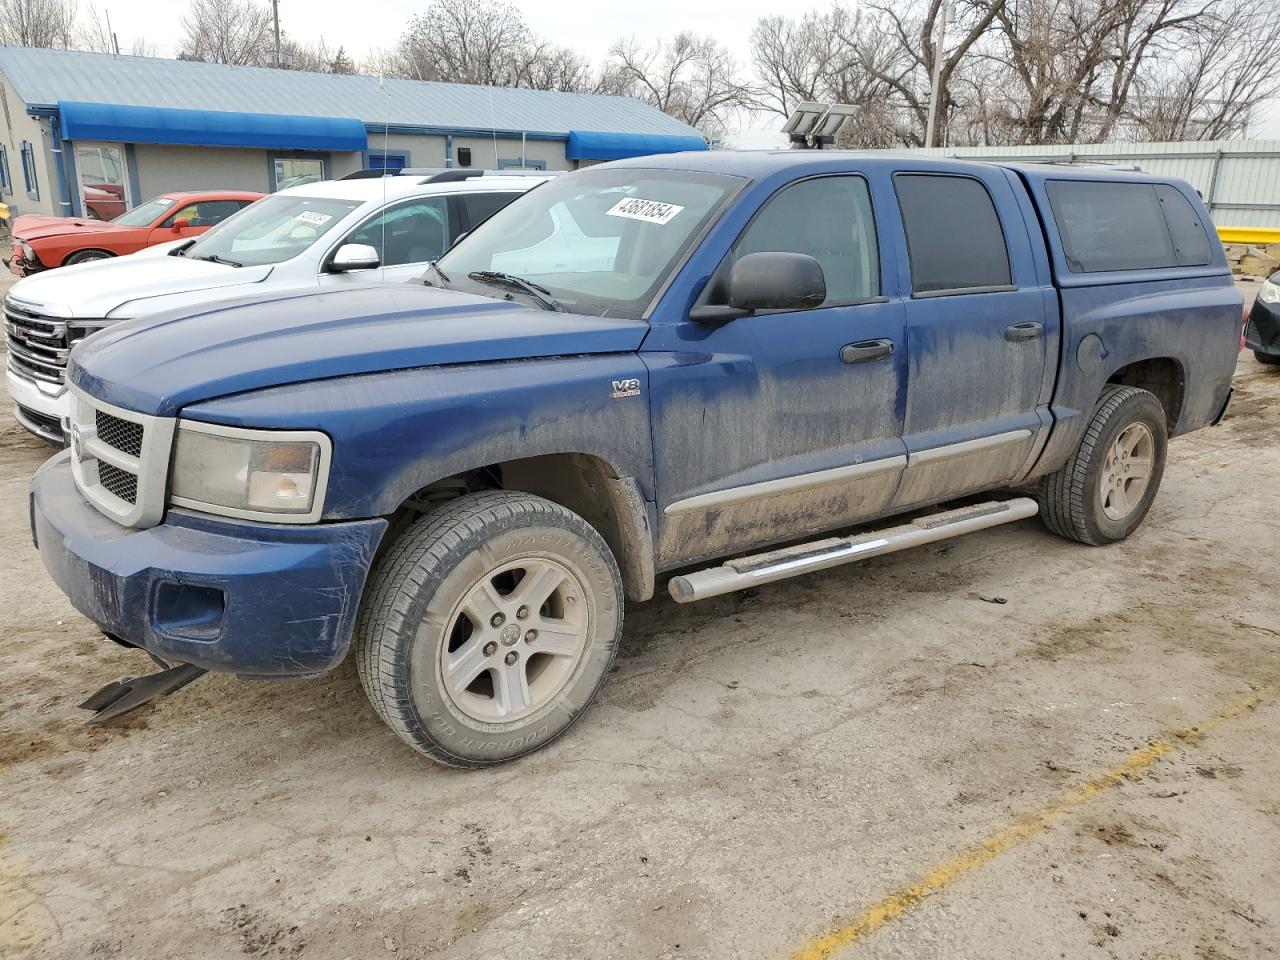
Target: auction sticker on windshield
311,216
650,211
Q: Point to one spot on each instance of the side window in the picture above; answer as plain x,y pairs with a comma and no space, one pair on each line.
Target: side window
1190,241
830,219
188,213
30,182
209,213
1113,226
954,237
412,232
481,206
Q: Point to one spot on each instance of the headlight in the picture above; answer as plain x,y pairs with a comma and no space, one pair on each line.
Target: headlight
1270,292
28,254
275,475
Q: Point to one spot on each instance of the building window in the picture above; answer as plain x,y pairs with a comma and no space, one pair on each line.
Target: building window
387,160
29,180
295,171
103,176
515,163
6,184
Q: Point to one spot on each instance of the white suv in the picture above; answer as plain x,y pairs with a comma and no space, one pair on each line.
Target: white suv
363,227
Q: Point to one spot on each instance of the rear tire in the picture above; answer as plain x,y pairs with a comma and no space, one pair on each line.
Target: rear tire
1104,491
488,627
1267,358
86,256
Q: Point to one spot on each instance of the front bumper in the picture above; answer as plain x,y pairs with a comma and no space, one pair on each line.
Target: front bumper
257,599
42,413
1262,332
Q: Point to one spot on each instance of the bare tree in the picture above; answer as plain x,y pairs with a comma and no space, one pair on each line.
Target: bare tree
466,41
547,66
38,23
1212,86
692,78
228,31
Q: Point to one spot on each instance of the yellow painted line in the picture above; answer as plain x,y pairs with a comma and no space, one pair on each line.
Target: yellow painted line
908,898
1259,236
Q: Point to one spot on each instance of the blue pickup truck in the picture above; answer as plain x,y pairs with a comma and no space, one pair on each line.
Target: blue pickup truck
721,369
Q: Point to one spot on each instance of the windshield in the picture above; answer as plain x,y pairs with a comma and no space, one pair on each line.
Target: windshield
272,230
146,214
601,242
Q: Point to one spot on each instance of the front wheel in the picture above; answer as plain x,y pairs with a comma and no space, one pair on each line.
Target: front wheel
86,256
488,627
1104,491
1267,358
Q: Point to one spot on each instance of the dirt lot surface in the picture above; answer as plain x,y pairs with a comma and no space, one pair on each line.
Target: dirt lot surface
756,774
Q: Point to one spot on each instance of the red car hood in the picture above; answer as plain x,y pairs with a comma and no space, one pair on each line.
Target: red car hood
32,226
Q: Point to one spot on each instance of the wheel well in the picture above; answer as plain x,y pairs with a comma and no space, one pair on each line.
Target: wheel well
76,253
1161,376
585,484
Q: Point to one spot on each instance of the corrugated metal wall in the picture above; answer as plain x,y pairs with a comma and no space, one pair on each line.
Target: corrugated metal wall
1239,179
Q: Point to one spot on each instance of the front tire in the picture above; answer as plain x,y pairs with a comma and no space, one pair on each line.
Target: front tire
86,256
1104,491
1267,358
488,627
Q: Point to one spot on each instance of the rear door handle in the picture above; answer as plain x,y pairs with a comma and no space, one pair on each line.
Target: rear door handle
1024,331
865,350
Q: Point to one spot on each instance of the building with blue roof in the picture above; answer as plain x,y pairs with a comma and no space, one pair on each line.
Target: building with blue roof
91,134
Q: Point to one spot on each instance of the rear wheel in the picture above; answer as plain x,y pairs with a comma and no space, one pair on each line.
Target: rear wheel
86,256
1269,358
1104,491
488,627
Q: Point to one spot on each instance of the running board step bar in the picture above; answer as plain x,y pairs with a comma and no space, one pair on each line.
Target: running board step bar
775,565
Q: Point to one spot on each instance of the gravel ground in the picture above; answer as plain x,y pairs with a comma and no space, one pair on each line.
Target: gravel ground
756,773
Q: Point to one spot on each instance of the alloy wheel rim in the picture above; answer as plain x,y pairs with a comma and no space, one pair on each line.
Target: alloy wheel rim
514,640
1126,471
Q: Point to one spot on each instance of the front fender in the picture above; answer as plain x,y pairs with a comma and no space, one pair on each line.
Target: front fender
396,432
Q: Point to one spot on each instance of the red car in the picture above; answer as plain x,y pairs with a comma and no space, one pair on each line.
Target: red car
40,243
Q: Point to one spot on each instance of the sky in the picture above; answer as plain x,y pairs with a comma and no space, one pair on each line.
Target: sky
589,26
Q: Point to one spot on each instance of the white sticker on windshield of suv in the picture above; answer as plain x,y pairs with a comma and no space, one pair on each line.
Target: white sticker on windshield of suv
650,211
311,216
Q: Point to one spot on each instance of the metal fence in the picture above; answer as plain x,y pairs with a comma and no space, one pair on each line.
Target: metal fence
1239,179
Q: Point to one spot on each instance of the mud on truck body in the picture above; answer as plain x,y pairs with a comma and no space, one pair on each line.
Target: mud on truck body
628,375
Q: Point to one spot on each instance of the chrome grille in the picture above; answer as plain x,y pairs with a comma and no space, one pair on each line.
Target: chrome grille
120,483
120,459
38,344
123,435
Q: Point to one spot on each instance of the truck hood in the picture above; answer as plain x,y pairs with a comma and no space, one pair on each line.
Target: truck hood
160,364
33,226
97,289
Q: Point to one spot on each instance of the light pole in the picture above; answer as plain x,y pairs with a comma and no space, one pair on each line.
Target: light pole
275,18
938,47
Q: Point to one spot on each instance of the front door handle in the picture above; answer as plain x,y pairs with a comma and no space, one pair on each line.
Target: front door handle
1024,331
865,350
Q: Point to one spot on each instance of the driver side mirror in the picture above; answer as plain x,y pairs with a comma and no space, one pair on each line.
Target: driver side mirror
354,256
181,223
770,280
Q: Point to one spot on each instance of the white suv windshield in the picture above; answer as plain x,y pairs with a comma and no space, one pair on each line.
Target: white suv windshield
601,241
272,230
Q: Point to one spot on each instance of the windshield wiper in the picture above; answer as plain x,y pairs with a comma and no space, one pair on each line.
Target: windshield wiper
214,258
541,295
444,277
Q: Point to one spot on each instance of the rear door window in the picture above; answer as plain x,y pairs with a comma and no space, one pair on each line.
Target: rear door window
1126,226
954,238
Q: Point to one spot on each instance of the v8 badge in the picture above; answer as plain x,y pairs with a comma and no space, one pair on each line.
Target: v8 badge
626,388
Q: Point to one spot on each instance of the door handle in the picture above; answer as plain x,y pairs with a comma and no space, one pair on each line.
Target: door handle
865,350
1024,331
